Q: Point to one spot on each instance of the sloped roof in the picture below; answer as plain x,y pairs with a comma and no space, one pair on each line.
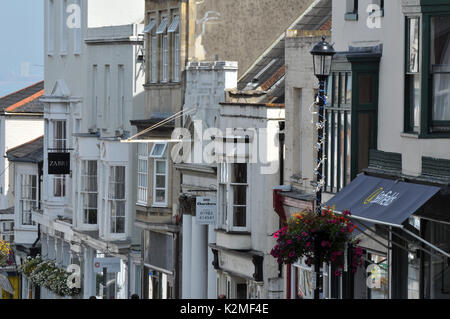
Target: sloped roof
269,68
30,152
25,100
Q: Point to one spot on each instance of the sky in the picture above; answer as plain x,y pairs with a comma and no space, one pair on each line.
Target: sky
22,44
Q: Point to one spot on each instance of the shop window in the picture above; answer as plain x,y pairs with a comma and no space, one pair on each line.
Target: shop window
28,198
89,191
116,199
142,191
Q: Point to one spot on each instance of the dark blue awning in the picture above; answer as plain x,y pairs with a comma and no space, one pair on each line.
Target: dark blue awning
382,200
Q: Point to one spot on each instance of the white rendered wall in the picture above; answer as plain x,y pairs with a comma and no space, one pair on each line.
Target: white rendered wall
391,82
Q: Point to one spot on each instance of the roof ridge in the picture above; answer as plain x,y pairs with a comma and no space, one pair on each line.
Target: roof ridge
26,143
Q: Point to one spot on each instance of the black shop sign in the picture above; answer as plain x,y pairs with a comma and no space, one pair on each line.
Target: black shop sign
58,163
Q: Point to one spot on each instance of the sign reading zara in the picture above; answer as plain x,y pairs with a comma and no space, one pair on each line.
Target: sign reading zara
111,264
206,210
58,163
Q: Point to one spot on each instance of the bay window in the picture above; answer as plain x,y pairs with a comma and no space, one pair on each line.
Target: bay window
440,73
427,82
89,192
142,191
28,198
116,199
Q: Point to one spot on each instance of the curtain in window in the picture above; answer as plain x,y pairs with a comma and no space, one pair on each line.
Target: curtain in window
441,68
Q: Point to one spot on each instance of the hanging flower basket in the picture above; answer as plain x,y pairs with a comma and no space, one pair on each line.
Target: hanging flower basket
328,234
5,254
47,274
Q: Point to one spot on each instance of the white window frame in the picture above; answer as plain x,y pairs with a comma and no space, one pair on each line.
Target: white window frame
226,194
31,201
111,200
59,144
166,188
161,154
142,175
84,177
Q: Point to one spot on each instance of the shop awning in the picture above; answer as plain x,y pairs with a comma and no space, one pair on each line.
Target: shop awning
382,201
5,284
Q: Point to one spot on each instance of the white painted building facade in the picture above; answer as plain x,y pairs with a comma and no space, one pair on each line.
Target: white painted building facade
93,90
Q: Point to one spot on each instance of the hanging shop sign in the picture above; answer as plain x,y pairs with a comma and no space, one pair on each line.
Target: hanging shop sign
206,210
111,264
58,163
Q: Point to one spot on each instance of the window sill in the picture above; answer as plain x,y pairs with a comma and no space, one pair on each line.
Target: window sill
409,135
162,84
351,17
426,136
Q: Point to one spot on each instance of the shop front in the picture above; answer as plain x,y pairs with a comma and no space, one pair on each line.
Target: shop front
159,265
404,227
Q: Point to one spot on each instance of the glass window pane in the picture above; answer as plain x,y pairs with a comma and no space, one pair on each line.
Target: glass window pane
239,217
414,89
240,195
160,196
239,173
413,45
440,61
441,97
348,94
160,167
161,181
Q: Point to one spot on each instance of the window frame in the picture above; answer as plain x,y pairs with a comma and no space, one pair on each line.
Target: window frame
166,188
111,200
142,176
83,192
409,119
351,10
30,200
60,144
226,199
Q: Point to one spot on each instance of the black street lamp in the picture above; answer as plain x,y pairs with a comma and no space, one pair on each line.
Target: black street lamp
322,53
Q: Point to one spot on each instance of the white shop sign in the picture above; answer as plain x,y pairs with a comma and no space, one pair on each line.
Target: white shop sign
111,264
206,210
